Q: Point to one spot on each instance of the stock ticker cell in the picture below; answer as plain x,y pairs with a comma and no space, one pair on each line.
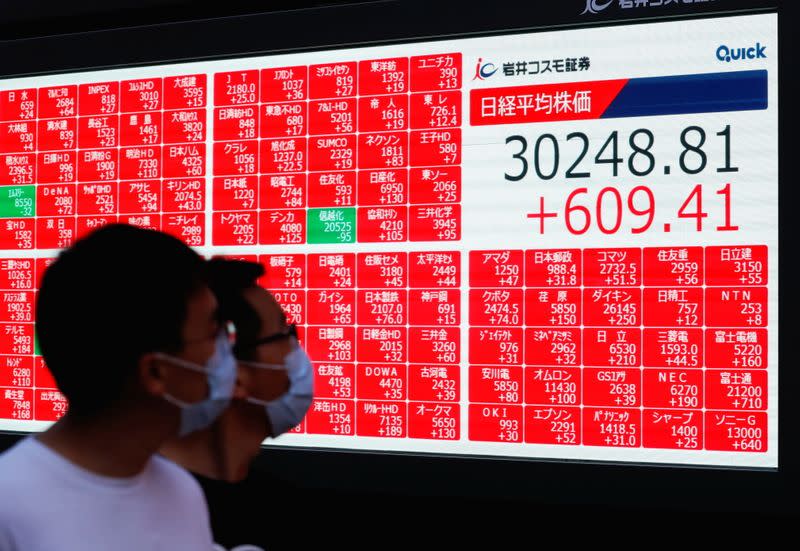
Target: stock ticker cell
236,88
57,167
56,199
382,270
736,348
434,223
553,425
189,227
55,134
496,268
17,233
16,306
337,417
331,306
50,405
496,423
739,431
435,147
553,386
382,224
553,307
383,76
18,168
16,371
331,271
17,274
501,345
98,165
279,191
673,388
183,194
98,131
333,80
238,122
612,306
334,380
326,153
741,307
147,221
332,343
434,185
282,120
279,156
136,163
97,198
495,307
383,150
553,268
140,197
235,228
434,383
679,347
16,338
185,91
283,84
19,136
498,384
140,128
283,271
612,427
188,125
184,161
332,116
553,346
432,421
736,266
382,307
18,105
383,344
434,270
673,266
736,389
440,306
383,187
58,101
44,378
383,113
376,381
98,98
435,72
612,348
332,189
236,158
612,387
282,227
436,110
434,345
672,429
673,307
87,224
612,267
141,95
16,403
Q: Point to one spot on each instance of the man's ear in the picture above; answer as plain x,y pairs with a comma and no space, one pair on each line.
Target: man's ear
152,374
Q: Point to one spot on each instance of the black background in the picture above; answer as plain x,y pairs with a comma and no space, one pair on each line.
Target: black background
293,498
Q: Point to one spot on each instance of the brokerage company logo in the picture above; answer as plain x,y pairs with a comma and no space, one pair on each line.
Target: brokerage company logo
593,6
484,70
728,54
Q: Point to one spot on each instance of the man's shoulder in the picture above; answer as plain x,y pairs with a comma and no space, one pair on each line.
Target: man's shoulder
174,478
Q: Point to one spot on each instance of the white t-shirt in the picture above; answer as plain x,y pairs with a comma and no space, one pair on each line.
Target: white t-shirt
48,503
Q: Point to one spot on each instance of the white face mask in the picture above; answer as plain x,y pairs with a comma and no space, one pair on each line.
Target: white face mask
287,411
220,370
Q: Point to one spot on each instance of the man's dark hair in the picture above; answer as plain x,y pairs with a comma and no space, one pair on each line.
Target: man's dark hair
116,294
227,279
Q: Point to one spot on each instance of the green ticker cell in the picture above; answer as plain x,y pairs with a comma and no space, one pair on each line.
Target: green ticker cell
334,225
17,201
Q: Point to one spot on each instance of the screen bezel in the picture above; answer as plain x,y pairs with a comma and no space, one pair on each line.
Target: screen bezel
343,26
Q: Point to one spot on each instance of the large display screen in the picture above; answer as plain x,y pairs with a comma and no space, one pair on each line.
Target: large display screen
552,245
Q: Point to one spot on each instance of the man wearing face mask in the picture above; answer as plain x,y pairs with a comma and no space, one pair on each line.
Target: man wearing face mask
275,385
129,329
